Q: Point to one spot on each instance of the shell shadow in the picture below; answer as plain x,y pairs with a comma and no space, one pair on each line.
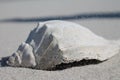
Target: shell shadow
83,62
61,66
3,62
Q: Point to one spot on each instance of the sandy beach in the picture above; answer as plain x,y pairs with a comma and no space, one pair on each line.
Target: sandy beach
13,33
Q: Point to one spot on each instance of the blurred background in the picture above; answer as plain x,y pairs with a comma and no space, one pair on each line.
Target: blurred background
18,17
37,9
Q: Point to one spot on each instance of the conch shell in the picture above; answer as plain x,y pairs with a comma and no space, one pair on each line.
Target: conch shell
54,42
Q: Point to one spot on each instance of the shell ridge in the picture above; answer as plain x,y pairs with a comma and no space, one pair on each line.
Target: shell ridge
43,36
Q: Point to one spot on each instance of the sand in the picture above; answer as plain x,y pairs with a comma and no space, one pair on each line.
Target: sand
108,70
12,34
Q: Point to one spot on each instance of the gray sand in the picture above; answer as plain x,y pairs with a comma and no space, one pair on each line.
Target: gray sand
108,70
12,34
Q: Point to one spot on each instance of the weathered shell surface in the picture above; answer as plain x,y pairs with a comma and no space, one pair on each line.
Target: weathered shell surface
55,42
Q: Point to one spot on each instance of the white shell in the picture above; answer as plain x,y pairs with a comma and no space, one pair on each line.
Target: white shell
55,42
